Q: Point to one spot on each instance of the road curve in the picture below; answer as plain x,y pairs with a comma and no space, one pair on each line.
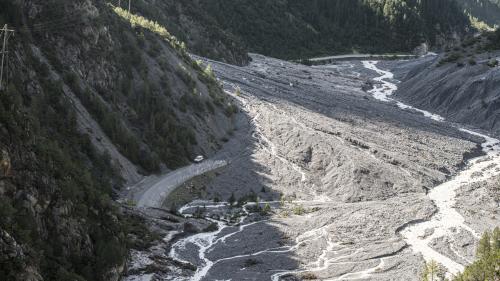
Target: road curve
156,194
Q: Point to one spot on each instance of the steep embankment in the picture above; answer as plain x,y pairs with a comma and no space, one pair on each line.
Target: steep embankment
461,85
94,98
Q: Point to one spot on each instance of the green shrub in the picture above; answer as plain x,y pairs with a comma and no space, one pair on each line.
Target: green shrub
211,228
231,109
298,210
266,209
186,77
251,262
452,57
492,63
231,199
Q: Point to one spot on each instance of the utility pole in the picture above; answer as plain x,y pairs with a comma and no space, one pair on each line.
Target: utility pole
129,7
6,34
120,3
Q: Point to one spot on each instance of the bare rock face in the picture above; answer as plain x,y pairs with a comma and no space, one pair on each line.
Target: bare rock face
9,248
13,253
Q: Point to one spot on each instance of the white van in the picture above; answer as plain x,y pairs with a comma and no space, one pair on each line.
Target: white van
199,159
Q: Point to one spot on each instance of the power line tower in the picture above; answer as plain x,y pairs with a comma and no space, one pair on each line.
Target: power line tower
5,32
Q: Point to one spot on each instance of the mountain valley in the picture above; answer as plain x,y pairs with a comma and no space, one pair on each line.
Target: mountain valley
195,140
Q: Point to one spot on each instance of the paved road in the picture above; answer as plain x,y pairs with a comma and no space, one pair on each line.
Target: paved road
360,56
156,194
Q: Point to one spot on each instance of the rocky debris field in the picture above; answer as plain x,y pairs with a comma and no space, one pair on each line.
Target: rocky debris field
322,178
462,92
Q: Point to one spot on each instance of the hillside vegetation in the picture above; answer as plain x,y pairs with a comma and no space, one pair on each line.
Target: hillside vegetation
188,21
95,97
487,265
294,29
487,11
226,30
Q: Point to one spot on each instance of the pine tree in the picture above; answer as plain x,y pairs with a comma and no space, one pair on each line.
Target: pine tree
232,199
487,266
484,247
433,271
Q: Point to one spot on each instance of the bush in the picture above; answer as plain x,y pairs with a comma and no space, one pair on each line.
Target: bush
209,73
299,210
211,228
231,109
453,57
186,77
251,262
492,63
266,209
231,200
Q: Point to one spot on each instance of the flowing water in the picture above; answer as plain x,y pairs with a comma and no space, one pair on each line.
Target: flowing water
419,235
447,220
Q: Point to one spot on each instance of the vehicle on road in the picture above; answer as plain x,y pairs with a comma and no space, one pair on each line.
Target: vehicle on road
199,159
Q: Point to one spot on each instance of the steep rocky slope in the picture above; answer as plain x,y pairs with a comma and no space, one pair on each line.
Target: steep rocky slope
95,98
461,84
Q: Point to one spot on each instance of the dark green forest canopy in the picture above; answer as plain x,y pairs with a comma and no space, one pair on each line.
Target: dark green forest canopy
295,29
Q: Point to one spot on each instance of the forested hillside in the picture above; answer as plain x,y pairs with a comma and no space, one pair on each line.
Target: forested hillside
192,25
93,98
487,11
295,29
226,30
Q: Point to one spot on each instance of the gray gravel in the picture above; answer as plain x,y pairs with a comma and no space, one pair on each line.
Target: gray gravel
358,168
